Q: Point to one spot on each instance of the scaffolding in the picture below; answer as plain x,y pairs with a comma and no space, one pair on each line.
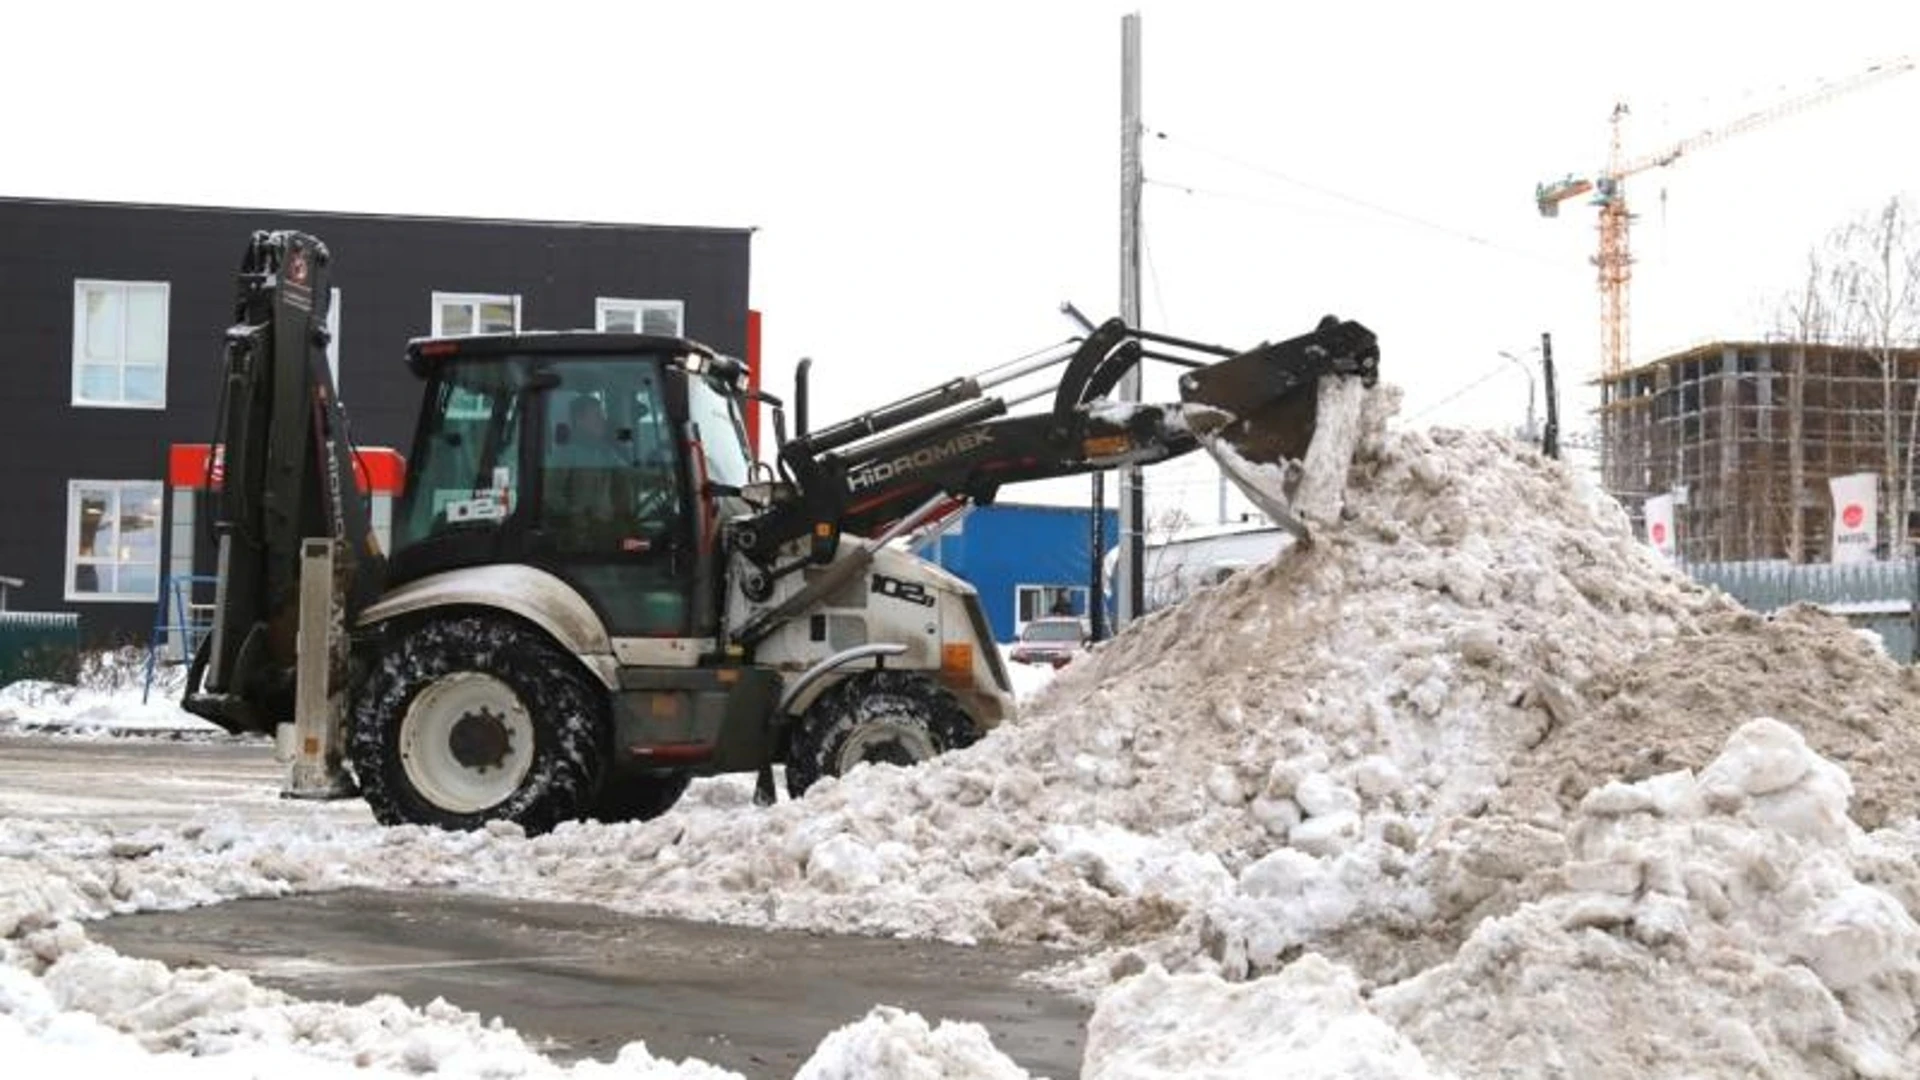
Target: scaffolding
1745,435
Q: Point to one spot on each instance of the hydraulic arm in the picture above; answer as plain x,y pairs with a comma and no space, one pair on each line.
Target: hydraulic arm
289,475
865,474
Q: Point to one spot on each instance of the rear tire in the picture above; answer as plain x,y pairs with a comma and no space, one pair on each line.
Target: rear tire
471,718
891,717
629,797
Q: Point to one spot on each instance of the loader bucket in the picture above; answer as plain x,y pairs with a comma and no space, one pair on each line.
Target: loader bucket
1283,420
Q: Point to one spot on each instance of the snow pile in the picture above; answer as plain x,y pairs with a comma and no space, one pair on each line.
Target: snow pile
1730,923
1028,679
1734,922
105,697
900,1045
1673,708
1308,1022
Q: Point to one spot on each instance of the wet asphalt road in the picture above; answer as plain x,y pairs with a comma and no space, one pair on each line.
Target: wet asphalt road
577,980
581,981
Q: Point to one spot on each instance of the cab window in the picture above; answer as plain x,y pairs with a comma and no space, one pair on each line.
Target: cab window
466,460
608,476
723,438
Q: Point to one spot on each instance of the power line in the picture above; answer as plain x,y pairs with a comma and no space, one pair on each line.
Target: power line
1558,265
1331,193
1233,196
1468,388
1153,275
1321,189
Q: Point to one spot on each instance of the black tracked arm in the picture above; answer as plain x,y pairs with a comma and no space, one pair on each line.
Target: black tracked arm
288,476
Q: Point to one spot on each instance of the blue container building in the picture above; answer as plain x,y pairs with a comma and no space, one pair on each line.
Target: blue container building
1027,561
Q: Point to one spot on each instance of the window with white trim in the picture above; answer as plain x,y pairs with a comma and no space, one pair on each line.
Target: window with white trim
120,344
113,540
1042,601
666,318
455,314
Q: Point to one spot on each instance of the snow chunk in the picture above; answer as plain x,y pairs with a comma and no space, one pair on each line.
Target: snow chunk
890,1042
1762,757
1319,794
1307,1022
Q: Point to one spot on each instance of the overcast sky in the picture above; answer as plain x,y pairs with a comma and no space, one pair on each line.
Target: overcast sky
930,181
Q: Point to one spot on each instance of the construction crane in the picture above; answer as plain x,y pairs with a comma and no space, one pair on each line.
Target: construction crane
1610,194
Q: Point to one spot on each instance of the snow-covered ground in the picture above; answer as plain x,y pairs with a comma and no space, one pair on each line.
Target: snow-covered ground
1473,785
112,696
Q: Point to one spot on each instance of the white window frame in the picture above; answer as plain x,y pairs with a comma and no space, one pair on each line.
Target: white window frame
81,286
474,300
1020,622
73,560
606,305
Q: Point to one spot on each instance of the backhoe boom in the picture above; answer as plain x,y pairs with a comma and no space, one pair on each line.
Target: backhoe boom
864,474
289,475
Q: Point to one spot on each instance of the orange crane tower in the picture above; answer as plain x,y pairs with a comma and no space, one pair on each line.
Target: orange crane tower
1614,261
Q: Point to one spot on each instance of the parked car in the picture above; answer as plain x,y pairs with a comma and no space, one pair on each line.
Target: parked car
1053,640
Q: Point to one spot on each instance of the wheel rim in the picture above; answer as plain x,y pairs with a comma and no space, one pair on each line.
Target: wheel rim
885,742
466,742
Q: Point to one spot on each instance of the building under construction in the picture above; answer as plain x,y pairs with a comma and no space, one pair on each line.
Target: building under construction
1745,435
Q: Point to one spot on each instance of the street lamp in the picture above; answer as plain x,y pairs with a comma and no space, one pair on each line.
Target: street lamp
1528,369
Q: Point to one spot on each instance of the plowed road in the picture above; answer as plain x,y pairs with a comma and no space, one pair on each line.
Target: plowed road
578,980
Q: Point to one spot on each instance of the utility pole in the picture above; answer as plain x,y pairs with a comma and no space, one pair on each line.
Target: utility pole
1550,440
1096,522
1132,494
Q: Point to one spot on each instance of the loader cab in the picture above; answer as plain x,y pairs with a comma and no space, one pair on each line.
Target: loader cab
596,457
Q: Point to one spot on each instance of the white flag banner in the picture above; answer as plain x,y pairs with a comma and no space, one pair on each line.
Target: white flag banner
1659,512
1855,516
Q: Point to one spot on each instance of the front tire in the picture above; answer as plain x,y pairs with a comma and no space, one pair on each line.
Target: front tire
471,718
885,717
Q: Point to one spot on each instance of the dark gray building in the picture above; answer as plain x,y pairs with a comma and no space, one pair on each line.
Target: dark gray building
111,322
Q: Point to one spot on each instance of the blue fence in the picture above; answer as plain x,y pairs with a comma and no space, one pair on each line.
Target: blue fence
182,618
1878,596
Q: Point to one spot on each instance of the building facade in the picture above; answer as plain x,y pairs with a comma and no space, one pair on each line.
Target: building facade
1026,561
1743,438
112,318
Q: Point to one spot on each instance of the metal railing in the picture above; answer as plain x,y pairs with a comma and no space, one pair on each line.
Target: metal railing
181,619
38,645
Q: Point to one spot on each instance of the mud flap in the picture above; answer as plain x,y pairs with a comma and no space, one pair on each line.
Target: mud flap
1306,487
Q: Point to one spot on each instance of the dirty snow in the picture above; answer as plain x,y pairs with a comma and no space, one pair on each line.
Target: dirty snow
1473,784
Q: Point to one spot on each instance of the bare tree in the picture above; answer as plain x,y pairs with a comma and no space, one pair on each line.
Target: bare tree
1805,314
1878,313
1163,526
1861,291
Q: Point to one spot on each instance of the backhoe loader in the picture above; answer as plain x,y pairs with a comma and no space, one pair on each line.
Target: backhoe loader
595,594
